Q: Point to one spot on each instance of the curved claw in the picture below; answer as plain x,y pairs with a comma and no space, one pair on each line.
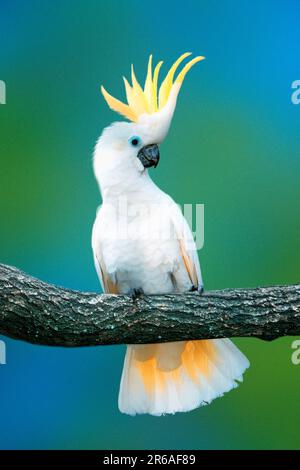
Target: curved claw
136,293
199,289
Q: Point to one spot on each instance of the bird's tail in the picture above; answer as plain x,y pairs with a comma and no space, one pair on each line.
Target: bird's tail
171,377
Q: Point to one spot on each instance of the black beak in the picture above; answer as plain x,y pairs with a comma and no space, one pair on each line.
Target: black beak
149,155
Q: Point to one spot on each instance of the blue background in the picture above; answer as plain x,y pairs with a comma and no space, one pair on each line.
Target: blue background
234,146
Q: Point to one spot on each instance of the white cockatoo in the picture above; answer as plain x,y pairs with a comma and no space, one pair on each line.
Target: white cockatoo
143,245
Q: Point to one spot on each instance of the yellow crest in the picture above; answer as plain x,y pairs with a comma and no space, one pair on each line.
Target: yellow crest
149,100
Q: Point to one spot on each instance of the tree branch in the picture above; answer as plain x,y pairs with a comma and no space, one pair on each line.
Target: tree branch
40,313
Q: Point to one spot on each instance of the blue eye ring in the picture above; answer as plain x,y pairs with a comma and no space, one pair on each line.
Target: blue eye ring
135,140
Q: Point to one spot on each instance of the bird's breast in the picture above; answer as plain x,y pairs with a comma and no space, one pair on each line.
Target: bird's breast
140,249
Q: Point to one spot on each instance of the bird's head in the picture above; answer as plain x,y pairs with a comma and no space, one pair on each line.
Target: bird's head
130,148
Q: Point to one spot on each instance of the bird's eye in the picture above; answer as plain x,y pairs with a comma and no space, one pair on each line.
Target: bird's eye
135,141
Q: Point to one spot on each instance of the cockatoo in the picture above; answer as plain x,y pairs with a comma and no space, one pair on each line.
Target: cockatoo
143,245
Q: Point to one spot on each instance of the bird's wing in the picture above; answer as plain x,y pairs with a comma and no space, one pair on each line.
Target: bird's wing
108,284
187,247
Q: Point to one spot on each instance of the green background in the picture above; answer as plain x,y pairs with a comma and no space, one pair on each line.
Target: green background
234,146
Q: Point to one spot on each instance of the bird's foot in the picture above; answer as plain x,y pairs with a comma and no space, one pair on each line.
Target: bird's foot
136,293
199,289
193,288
